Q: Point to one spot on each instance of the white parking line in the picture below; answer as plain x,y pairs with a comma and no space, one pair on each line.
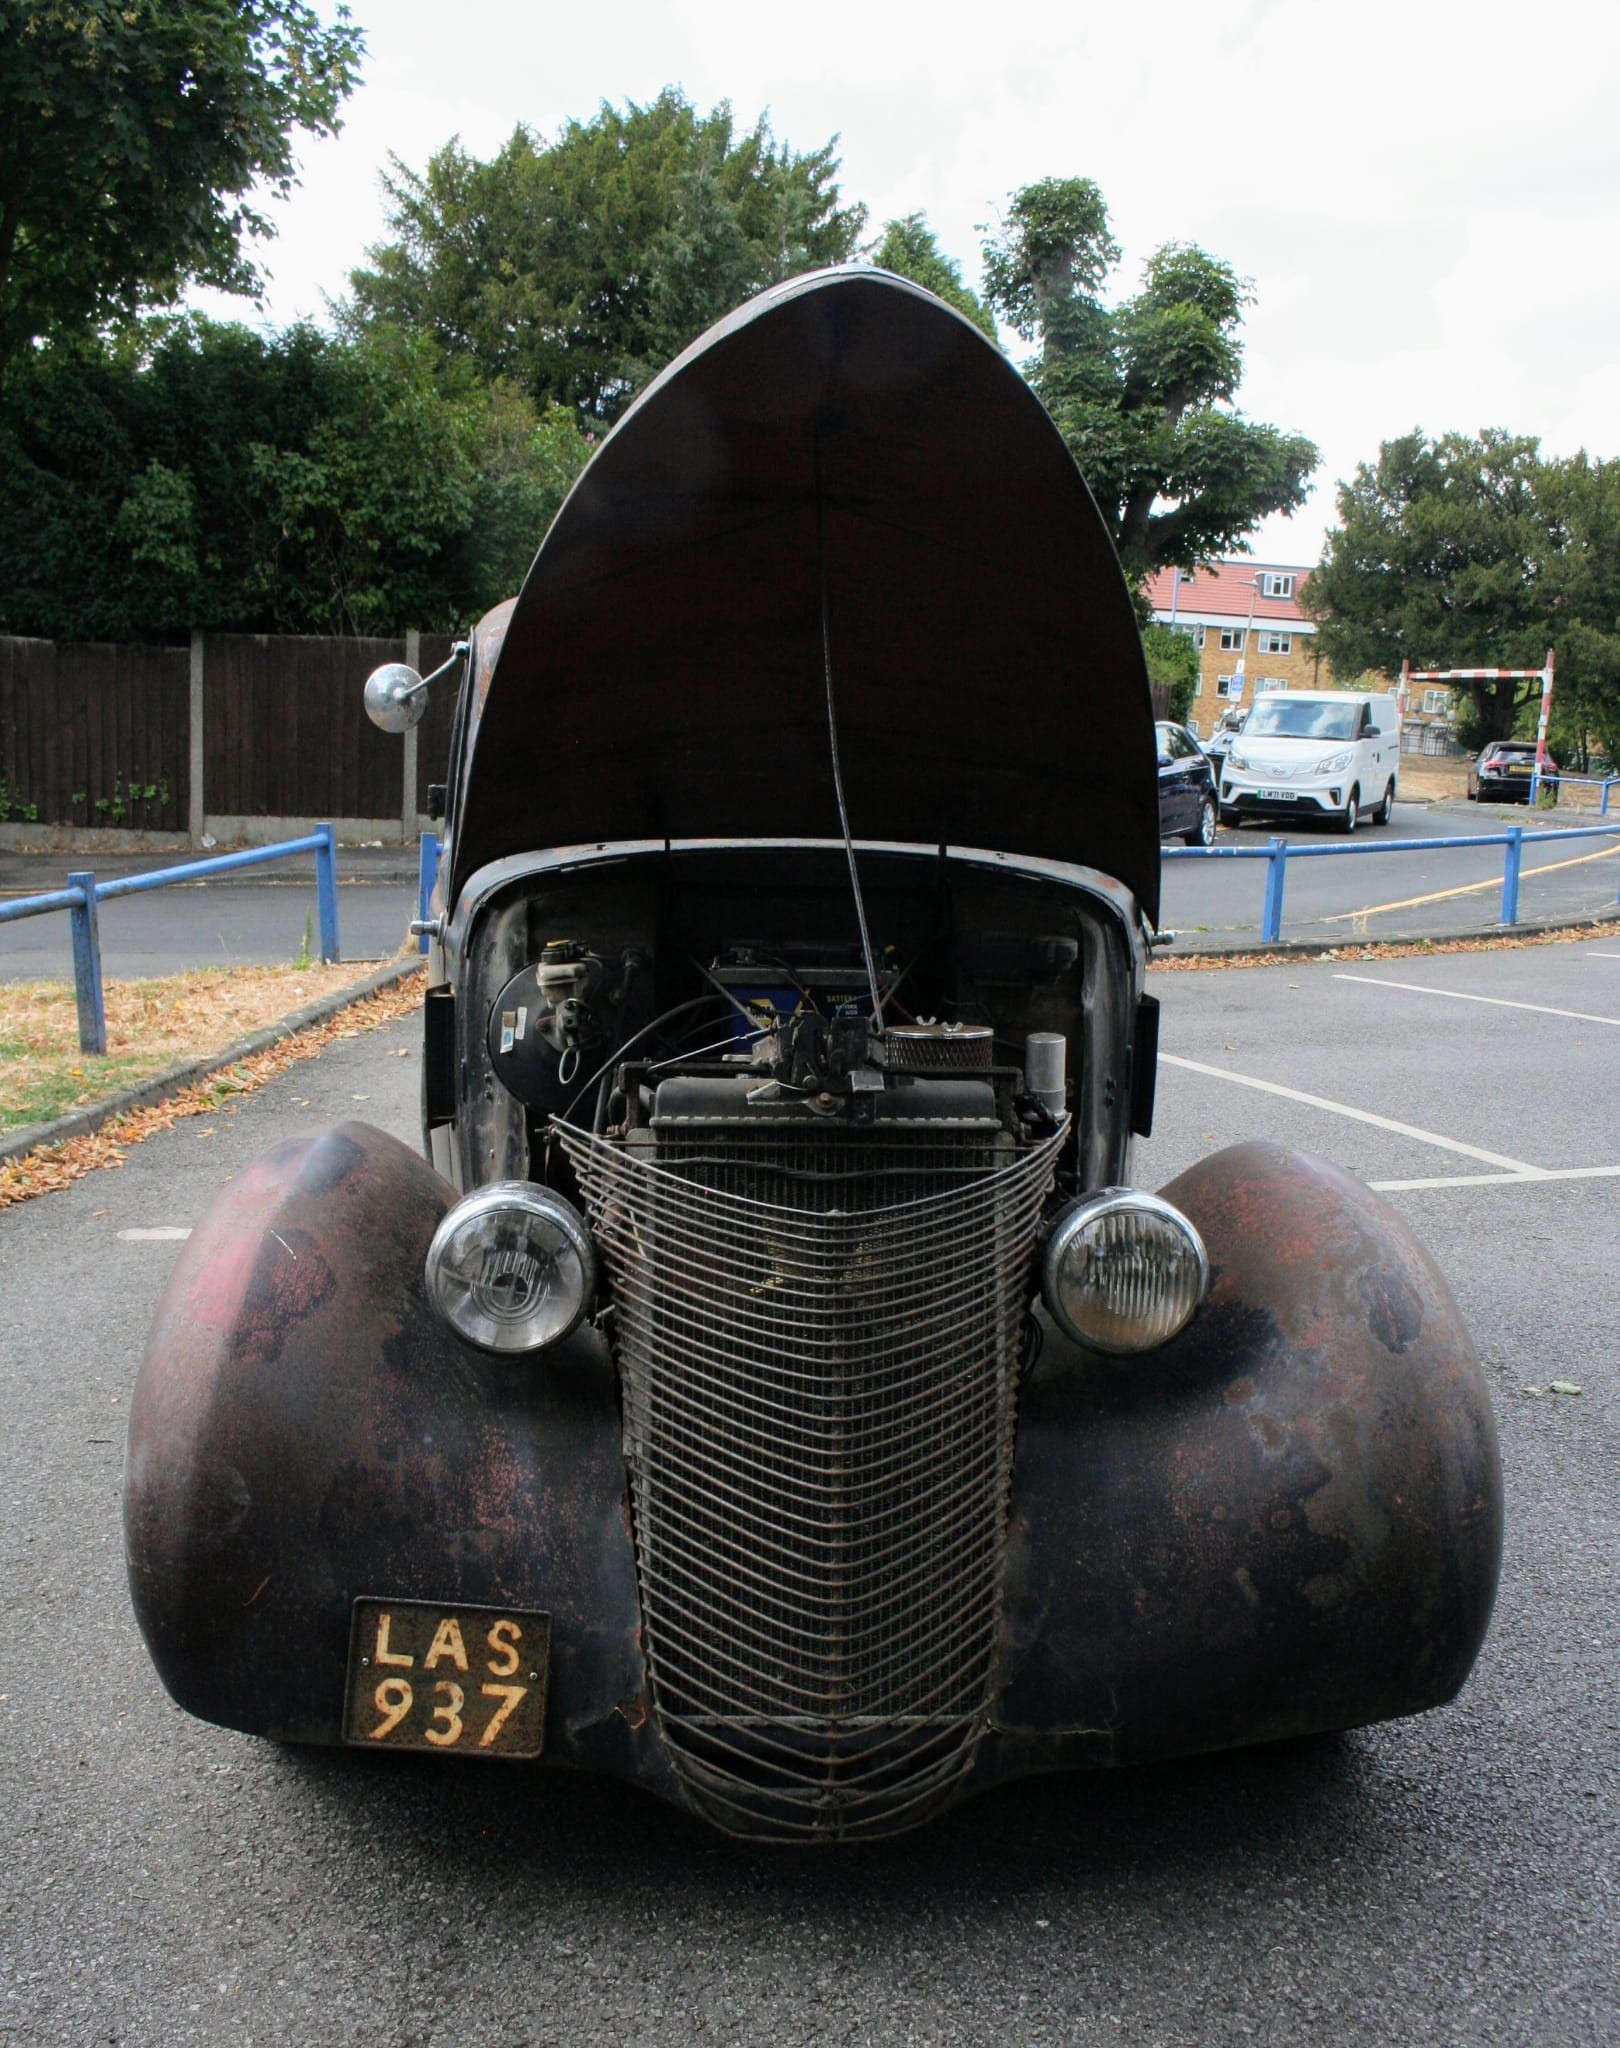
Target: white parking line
1419,988
1499,1180
1517,1169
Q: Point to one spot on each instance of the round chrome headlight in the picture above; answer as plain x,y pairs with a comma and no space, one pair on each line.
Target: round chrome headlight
512,1267
1123,1271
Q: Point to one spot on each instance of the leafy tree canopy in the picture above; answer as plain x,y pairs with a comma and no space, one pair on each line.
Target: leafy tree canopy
1463,552
578,267
132,134
1142,389
195,474
909,249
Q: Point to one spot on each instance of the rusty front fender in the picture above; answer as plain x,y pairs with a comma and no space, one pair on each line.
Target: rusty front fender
1287,1520
306,1431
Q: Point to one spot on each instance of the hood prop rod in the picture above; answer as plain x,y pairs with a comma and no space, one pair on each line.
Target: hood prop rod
832,736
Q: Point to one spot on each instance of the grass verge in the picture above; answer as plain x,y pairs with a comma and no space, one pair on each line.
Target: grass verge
49,1167
150,1025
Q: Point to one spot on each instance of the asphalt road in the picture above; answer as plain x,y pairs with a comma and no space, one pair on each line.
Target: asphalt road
264,917
1447,1880
263,920
1330,895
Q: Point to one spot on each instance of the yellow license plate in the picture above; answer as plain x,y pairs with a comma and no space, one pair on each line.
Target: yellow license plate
462,1681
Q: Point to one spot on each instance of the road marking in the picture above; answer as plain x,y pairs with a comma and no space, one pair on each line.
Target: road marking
1519,1169
1603,956
1419,988
162,1233
1499,1180
1467,888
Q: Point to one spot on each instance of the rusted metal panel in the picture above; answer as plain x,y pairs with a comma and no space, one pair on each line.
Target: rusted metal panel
305,1432
1289,1519
844,435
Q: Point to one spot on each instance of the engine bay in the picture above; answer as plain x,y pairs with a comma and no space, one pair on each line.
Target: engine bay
730,986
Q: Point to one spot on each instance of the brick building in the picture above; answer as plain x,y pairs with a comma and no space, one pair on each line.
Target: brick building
1245,620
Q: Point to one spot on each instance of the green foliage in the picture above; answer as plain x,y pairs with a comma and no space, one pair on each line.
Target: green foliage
1459,552
1142,390
135,139
576,268
1172,659
13,806
203,475
908,248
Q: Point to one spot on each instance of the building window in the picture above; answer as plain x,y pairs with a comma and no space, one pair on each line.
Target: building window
1232,639
1229,686
1436,702
1265,684
1276,643
1273,585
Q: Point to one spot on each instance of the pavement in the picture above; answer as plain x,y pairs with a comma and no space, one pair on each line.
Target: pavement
263,914
1449,1880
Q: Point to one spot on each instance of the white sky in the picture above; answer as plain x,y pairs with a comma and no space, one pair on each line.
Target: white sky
1424,195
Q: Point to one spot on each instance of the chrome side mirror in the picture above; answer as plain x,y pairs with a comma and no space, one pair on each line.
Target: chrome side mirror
396,697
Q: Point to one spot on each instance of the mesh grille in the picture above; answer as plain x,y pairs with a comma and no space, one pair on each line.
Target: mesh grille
818,1343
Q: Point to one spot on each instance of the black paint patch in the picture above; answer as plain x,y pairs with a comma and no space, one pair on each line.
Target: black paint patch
1394,1310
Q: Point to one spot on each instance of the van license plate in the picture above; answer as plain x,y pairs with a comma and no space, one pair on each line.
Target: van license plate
1278,796
468,1681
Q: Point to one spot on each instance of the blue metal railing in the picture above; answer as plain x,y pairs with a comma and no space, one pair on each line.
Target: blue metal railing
83,893
427,867
1278,852
1601,783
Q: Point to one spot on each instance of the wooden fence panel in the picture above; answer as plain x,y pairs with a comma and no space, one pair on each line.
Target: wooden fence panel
96,735
285,733
93,734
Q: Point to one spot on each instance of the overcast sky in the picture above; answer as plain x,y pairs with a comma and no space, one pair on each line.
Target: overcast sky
1424,196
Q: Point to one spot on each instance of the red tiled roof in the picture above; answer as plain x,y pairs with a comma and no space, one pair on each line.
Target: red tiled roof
1224,590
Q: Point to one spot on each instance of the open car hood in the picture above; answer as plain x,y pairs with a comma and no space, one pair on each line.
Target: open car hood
845,437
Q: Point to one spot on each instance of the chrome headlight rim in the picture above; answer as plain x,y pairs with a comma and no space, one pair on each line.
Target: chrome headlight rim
508,1335
1082,1216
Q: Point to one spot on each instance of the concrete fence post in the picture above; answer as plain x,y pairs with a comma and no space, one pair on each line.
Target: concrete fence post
407,801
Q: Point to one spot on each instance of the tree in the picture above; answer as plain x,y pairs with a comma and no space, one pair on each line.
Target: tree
1172,660
1444,556
1142,390
189,473
909,249
132,136
578,267
1582,500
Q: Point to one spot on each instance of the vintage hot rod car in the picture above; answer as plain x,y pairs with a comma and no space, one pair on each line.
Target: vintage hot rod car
772,1391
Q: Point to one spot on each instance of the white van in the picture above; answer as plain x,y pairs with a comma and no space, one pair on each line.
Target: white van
1314,754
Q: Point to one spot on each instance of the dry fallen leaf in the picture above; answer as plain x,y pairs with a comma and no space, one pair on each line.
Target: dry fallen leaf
49,1167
